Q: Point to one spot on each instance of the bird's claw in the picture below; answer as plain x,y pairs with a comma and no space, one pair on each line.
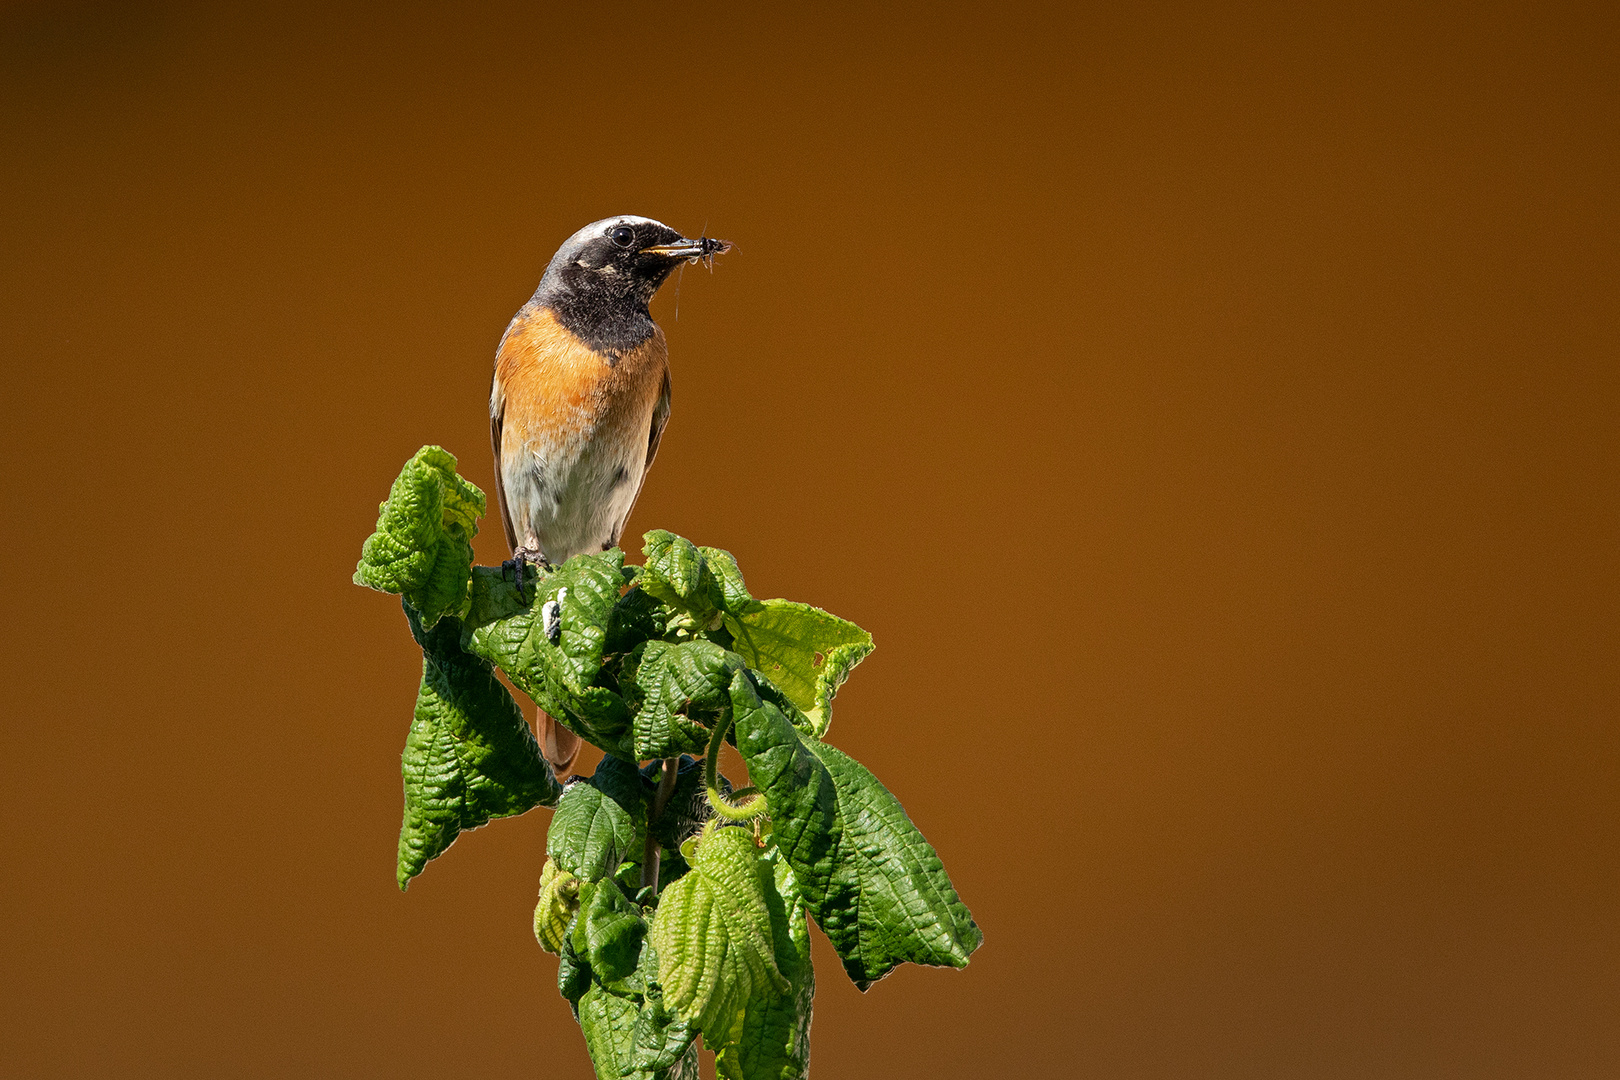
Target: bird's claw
521,557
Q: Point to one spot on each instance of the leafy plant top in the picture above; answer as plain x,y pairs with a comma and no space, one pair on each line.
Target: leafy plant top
676,906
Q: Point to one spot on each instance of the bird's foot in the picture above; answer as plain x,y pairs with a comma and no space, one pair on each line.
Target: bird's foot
514,566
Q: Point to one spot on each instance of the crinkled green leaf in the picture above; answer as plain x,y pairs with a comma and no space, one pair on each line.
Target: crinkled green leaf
660,1039
558,676
637,617
554,911
806,652
422,546
573,975
470,755
511,632
774,1043
598,822
608,931
875,886
803,650
700,582
609,1024
734,596
713,935
678,693
672,571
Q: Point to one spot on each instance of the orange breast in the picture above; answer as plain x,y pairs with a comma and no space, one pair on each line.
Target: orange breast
557,391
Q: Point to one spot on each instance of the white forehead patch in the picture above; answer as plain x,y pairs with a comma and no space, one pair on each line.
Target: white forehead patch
573,247
600,228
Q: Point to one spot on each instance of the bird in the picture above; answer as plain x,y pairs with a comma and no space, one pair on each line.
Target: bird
579,400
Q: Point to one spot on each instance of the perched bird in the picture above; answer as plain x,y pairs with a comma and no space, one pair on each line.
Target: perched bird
579,401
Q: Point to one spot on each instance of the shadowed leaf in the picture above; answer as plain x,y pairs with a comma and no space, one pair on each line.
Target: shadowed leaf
688,807
560,676
598,823
678,692
470,755
608,932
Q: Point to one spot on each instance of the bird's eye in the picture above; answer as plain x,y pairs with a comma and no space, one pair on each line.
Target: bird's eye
622,235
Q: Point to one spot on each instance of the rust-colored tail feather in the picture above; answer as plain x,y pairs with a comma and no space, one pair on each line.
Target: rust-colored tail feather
560,745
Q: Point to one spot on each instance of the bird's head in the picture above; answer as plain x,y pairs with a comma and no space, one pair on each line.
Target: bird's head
623,258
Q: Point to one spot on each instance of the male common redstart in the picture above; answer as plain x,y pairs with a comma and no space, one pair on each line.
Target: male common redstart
579,401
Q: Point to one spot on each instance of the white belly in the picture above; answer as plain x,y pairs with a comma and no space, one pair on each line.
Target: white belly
568,503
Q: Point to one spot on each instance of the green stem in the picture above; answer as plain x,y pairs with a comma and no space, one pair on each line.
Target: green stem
711,782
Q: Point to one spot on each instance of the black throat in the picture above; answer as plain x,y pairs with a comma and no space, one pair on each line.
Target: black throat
610,317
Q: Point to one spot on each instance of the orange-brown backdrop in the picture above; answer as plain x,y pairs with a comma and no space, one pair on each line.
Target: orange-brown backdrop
1211,410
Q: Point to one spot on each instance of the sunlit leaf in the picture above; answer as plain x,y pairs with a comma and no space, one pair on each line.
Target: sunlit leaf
713,934
422,546
873,884
806,652
774,1041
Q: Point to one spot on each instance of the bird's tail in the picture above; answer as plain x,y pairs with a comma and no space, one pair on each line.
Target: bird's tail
560,745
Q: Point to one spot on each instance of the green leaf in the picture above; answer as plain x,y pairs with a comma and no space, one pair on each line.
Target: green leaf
678,692
713,935
774,1043
806,652
875,886
511,632
734,596
633,1040
660,1039
470,755
559,676
422,546
573,976
609,1024
701,582
598,822
559,899
672,570
608,931
637,617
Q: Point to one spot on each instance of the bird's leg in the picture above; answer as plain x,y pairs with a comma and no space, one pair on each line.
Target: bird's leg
523,555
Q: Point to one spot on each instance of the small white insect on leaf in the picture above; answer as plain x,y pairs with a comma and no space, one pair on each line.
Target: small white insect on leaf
551,620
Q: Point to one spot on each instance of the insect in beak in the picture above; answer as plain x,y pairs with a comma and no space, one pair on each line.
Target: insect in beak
704,248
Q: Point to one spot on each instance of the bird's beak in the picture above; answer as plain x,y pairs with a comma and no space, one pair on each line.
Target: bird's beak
701,248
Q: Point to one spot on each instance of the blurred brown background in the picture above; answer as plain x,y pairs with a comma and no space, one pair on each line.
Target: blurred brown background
1212,411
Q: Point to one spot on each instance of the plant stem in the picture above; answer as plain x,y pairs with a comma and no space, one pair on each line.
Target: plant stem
649,853
711,782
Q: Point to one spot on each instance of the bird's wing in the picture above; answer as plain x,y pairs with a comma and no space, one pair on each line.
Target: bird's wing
497,416
660,417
